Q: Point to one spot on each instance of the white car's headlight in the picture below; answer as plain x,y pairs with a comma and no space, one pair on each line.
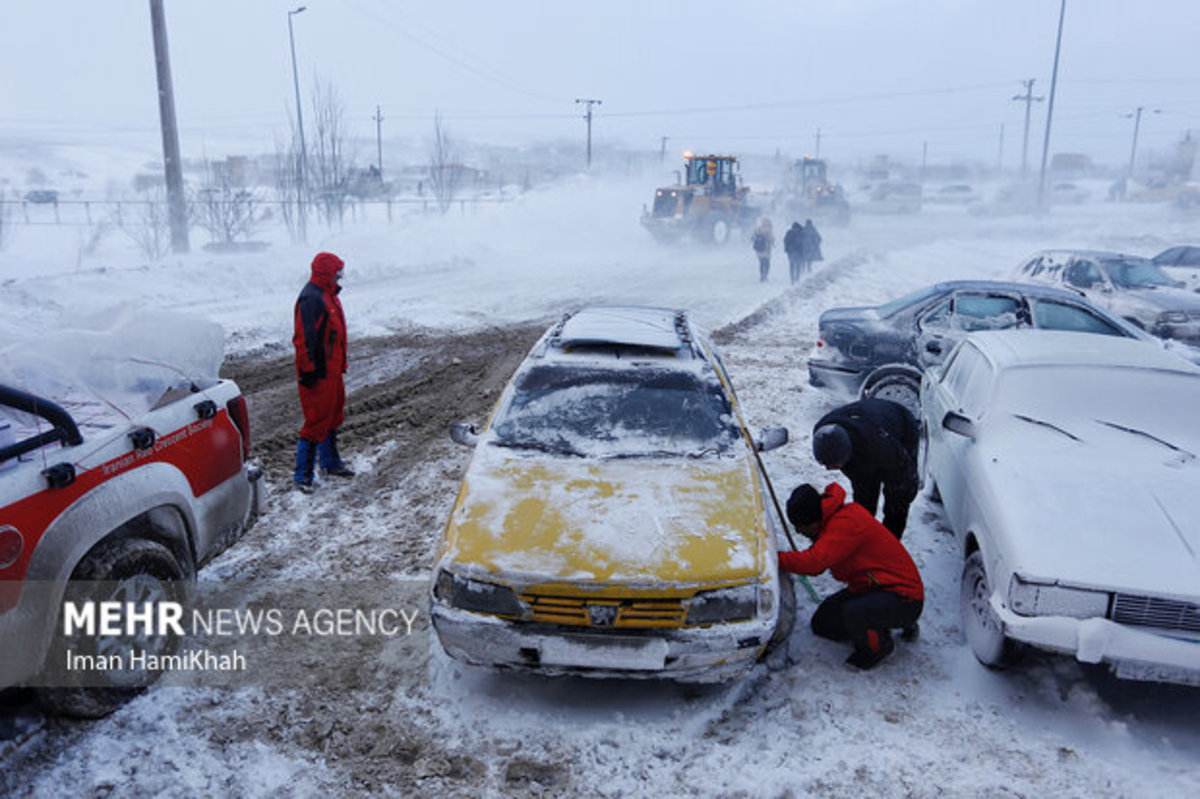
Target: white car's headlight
739,603
476,595
1041,599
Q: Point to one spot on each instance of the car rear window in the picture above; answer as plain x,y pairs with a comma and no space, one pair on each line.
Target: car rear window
617,413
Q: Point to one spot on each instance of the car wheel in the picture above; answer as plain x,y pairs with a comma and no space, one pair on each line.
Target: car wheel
895,385
127,570
984,630
787,614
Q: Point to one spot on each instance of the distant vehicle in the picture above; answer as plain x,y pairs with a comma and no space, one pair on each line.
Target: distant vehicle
1182,264
1067,467
613,521
707,207
42,196
102,506
808,192
1068,194
1126,285
882,351
889,197
954,193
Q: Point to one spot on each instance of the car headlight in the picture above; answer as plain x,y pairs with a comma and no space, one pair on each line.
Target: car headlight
739,603
1173,318
1040,599
476,595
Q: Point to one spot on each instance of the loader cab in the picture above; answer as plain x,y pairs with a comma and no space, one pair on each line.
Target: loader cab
716,174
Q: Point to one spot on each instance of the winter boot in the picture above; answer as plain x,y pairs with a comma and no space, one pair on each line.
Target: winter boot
910,632
331,462
306,453
871,657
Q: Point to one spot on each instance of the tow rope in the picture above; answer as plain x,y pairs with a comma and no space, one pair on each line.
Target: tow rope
812,592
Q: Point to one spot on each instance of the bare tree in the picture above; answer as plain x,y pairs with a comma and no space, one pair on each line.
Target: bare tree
287,182
329,160
445,170
150,226
227,211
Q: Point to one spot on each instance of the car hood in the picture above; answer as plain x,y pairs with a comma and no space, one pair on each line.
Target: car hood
1164,299
1113,511
633,522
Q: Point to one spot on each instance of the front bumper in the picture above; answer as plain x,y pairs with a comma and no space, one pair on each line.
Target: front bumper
1132,653
715,654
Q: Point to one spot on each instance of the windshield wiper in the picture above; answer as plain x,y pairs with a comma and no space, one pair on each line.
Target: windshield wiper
540,446
1187,455
1044,423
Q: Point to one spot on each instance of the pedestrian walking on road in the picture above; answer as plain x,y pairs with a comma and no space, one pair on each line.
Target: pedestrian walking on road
763,241
793,245
874,443
320,343
883,592
810,245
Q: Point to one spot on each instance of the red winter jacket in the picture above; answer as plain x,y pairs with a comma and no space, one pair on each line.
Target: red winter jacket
320,324
857,550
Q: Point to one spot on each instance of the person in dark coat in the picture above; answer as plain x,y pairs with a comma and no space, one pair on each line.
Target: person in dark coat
883,589
874,443
793,245
810,243
320,343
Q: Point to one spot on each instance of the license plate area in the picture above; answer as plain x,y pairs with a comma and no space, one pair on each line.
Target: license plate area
604,652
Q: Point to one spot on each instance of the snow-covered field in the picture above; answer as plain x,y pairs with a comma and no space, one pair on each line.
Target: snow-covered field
929,722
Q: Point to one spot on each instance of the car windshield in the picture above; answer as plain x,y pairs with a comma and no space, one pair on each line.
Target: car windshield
1131,273
597,412
899,304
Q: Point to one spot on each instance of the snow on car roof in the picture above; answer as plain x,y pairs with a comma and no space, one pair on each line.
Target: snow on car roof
1023,347
633,326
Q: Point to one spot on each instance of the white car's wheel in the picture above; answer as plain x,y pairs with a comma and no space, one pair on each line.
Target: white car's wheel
985,632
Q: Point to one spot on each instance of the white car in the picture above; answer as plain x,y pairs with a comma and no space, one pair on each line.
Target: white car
1067,467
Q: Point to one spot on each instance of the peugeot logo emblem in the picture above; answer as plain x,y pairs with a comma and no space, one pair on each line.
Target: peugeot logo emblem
602,615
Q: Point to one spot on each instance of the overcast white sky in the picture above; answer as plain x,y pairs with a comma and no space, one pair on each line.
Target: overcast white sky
751,75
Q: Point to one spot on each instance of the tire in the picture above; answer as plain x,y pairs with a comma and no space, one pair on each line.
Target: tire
985,632
126,570
718,231
787,615
896,385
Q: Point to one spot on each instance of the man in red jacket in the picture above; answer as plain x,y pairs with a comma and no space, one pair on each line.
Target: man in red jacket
883,588
320,342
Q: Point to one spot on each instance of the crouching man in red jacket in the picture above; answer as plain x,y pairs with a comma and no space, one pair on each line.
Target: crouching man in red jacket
883,588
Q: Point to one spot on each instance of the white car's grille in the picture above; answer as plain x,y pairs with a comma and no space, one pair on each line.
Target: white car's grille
1167,614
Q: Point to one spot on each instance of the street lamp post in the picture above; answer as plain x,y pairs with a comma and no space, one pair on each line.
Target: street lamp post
301,187
1137,122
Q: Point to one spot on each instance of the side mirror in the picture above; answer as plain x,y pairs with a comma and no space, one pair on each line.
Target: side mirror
464,433
771,438
957,423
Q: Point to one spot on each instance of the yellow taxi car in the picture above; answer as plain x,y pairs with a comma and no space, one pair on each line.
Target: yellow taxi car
613,521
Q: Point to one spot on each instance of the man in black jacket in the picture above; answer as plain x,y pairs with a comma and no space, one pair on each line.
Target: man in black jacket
874,443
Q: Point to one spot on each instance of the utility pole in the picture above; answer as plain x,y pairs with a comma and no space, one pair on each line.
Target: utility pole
662,151
1062,11
172,166
1137,122
301,167
379,142
818,153
1028,99
588,117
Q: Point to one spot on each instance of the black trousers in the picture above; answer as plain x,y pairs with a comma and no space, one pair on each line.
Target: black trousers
861,617
896,499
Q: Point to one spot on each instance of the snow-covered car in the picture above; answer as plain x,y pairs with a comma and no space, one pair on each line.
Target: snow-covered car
1067,467
954,194
889,197
613,520
1126,285
110,494
881,351
1068,194
1181,263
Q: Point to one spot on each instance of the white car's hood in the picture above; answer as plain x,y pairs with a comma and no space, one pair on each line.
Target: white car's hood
1114,510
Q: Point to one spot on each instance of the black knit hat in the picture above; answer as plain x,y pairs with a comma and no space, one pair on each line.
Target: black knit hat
804,505
831,445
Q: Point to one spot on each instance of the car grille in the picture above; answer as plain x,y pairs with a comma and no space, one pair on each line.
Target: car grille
1167,614
628,613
